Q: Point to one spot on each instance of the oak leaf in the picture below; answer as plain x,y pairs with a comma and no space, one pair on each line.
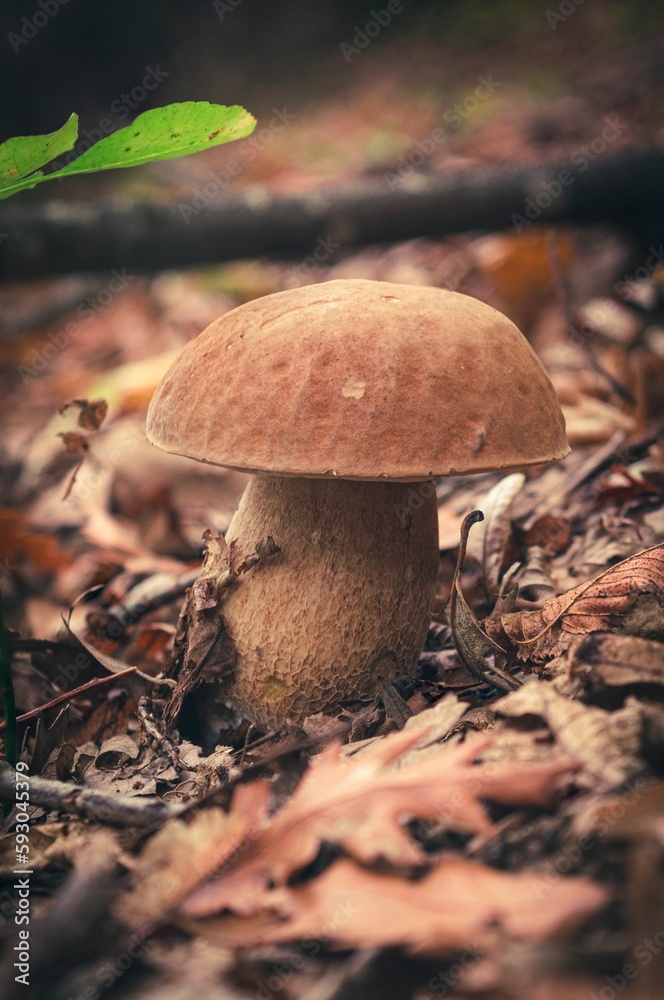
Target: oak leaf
459,905
362,805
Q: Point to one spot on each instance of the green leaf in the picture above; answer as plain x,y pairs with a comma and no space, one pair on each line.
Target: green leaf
162,134
159,134
25,154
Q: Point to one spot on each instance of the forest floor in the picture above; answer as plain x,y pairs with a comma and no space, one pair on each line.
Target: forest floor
453,838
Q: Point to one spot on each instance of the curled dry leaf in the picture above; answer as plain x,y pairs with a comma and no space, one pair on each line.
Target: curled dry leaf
606,744
201,627
362,804
460,904
472,644
92,412
625,598
491,537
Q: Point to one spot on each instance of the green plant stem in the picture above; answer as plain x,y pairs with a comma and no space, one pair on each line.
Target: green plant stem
8,700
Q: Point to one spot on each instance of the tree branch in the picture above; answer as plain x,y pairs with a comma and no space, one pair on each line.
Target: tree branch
63,237
104,807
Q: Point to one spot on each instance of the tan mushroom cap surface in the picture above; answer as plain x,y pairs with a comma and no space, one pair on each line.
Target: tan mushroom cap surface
360,380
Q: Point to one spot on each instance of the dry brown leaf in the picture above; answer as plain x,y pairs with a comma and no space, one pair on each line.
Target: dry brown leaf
182,855
92,412
19,541
201,628
608,660
491,537
461,904
599,605
74,442
606,744
362,803
472,644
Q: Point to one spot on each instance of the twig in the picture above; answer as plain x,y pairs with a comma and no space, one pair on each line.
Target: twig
585,471
104,807
151,727
72,479
8,700
68,696
564,299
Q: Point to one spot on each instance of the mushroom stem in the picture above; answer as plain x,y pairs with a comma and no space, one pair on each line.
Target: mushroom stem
347,600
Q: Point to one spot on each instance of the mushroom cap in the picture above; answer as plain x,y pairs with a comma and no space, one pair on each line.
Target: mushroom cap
360,379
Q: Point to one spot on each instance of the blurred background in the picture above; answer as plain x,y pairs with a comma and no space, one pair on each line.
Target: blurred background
344,92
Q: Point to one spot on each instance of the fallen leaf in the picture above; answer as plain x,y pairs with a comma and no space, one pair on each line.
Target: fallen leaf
626,597
181,855
533,579
491,537
362,803
458,905
550,532
608,660
473,645
593,421
74,442
606,744
92,412
201,629
21,542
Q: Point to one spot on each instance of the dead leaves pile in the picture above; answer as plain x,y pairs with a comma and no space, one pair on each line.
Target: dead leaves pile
266,888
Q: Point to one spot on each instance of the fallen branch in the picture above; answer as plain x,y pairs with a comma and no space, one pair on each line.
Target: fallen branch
104,807
63,237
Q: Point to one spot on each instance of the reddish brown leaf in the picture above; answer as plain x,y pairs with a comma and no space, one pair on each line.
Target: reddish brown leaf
458,905
362,804
74,442
601,604
20,541
92,412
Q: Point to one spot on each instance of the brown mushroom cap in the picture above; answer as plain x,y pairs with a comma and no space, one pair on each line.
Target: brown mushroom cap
360,380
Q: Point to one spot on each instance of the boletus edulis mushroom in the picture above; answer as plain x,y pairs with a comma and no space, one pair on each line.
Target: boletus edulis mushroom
345,400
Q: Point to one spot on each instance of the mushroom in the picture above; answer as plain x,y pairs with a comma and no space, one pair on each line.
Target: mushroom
345,400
